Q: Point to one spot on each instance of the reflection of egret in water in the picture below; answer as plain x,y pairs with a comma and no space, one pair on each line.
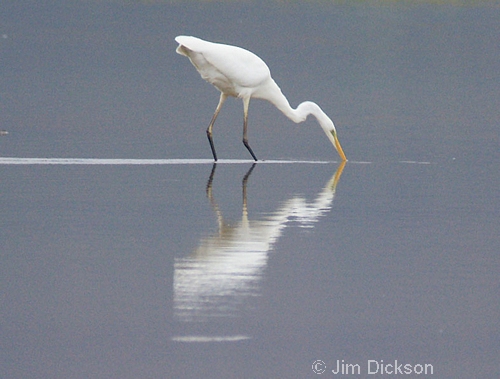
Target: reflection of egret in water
226,268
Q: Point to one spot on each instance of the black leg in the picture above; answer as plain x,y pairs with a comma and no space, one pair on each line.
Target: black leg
246,102
212,122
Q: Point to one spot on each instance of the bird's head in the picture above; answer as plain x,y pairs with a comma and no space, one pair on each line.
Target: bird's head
326,124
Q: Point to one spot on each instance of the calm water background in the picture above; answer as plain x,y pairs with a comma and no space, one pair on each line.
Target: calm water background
137,271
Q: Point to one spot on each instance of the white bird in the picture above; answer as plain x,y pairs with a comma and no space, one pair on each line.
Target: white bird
240,73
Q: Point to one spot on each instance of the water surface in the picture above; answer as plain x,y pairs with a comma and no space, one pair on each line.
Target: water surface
127,253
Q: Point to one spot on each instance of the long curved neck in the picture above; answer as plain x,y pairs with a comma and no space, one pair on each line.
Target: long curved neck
273,94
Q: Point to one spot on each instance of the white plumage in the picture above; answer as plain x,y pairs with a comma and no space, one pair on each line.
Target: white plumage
240,73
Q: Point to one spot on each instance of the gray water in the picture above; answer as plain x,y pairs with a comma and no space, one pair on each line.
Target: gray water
126,253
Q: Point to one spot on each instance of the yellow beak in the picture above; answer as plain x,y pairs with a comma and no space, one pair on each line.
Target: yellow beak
337,146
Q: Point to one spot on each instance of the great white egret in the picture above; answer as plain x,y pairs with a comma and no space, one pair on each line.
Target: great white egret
240,73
